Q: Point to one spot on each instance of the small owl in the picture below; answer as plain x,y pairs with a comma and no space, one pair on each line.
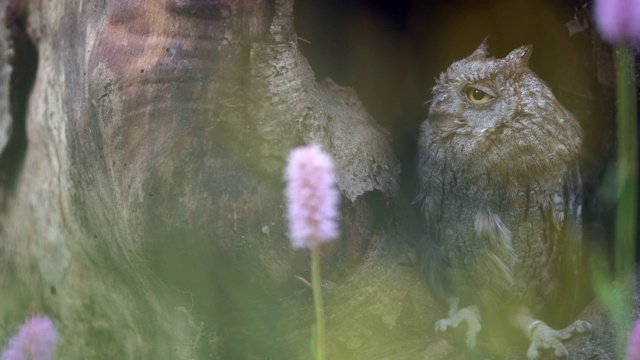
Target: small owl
501,195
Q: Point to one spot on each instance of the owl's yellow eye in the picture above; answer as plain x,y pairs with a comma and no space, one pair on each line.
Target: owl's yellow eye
477,96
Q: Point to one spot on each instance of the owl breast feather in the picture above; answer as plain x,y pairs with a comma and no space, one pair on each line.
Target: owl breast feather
499,233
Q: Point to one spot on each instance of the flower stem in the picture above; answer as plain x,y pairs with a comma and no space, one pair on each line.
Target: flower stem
317,299
627,161
627,178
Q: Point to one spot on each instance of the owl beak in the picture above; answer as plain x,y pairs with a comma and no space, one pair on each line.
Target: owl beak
436,115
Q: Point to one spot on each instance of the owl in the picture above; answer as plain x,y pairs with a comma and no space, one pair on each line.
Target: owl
501,195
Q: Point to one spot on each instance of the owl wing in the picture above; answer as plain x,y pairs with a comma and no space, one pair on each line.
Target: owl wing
436,265
570,263
435,261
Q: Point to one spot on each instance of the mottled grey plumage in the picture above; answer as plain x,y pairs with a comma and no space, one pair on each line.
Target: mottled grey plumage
501,195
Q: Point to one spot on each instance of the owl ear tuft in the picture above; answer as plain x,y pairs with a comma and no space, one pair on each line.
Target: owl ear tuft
520,55
482,50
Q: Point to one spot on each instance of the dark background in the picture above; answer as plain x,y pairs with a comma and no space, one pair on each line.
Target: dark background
390,52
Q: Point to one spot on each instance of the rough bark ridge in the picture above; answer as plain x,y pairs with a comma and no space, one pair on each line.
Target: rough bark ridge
288,107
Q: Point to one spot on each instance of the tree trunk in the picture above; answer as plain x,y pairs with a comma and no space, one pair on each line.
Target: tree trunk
146,215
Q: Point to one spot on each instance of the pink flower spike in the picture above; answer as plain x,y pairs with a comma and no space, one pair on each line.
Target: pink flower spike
35,340
312,197
633,348
618,20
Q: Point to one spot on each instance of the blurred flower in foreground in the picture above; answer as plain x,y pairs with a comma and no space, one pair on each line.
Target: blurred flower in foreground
312,202
633,348
618,20
312,197
35,340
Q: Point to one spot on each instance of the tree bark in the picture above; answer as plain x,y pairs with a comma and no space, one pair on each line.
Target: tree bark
146,216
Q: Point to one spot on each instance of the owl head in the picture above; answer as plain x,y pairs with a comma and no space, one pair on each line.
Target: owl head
496,116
